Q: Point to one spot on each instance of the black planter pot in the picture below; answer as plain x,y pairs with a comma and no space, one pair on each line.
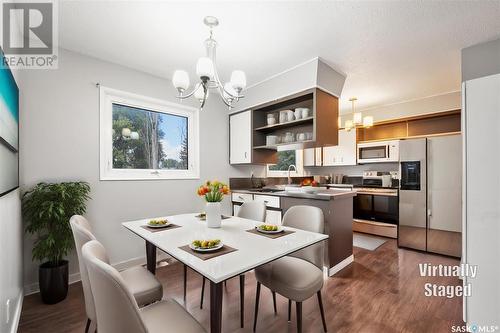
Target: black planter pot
53,280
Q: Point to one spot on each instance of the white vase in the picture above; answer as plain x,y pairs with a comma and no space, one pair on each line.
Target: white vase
213,212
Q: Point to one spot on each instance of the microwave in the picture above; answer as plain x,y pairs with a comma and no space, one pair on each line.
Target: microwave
378,152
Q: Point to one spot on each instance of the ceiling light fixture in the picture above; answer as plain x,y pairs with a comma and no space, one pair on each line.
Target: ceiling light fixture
357,118
206,70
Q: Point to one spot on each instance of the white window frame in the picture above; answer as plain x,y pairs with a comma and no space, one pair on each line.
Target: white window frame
299,163
108,97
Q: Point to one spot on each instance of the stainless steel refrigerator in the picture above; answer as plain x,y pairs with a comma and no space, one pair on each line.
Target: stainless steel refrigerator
430,196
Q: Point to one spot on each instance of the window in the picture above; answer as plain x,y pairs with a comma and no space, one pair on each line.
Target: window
285,159
145,138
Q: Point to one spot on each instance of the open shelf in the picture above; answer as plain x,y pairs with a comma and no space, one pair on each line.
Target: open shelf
274,147
285,125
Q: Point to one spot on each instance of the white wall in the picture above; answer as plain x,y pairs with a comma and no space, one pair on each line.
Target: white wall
432,104
60,141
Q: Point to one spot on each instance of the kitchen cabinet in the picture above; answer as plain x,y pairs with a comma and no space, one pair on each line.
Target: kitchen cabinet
269,200
309,157
318,156
240,138
344,153
241,197
273,214
316,128
313,157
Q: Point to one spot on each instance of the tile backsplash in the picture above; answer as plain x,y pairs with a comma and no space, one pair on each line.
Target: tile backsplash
353,170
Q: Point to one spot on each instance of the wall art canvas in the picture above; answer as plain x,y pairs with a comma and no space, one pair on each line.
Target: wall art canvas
9,129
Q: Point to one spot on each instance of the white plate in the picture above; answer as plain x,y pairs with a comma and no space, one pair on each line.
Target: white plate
159,225
199,249
280,229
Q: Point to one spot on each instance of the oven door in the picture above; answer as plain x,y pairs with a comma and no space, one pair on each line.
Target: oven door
386,208
373,153
377,207
363,206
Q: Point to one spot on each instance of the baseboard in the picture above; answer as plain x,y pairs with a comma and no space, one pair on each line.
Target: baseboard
75,277
341,265
17,314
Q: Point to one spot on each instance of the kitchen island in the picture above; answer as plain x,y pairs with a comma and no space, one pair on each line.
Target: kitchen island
337,207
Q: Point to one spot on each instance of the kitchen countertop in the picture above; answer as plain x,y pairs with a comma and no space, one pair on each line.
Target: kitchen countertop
320,195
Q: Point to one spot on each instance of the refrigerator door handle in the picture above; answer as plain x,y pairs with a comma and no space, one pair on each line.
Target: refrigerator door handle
429,212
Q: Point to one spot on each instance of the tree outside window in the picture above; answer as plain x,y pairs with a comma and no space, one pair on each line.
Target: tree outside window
285,159
144,139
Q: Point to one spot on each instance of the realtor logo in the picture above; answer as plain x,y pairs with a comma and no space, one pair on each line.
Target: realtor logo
29,34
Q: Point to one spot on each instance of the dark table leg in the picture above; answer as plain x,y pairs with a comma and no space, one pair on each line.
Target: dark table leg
242,299
185,284
215,307
151,257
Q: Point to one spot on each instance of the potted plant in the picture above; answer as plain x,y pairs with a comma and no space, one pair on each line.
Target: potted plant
47,209
213,192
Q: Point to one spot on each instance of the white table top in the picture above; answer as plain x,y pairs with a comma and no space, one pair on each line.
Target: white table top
253,250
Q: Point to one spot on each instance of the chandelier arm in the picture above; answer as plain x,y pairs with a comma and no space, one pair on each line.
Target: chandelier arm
205,89
196,87
224,99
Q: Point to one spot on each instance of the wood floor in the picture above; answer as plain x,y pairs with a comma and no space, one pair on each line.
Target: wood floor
381,291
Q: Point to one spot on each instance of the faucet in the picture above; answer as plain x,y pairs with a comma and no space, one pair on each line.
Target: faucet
289,169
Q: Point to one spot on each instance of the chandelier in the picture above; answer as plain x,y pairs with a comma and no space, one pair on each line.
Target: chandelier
206,70
357,119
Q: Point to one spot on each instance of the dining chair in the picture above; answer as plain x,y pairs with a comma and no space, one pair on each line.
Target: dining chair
299,275
252,210
143,285
116,307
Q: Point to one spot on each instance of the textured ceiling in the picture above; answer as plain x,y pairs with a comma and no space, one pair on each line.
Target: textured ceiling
391,51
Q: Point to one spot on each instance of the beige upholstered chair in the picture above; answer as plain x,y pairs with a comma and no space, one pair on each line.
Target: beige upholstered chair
299,275
116,307
252,210
142,284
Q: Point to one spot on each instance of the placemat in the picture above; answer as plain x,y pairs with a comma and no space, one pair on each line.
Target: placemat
273,236
169,227
209,255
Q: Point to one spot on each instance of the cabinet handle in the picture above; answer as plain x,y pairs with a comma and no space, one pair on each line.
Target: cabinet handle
240,197
266,202
245,154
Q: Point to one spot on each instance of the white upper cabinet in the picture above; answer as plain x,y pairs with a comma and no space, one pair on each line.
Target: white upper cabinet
309,157
240,138
344,153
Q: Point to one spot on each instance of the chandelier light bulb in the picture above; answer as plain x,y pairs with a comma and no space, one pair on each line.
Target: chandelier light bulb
180,80
348,125
238,80
205,68
229,92
368,121
357,118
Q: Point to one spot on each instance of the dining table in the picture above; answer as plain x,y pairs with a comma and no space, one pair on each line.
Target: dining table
244,249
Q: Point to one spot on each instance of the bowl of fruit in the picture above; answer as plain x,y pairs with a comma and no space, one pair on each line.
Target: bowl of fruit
158,223
206,245
269,228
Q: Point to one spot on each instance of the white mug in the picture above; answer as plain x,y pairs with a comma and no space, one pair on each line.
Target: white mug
271,120
301,136
271,140
298,113
305,112
283,116
290,115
